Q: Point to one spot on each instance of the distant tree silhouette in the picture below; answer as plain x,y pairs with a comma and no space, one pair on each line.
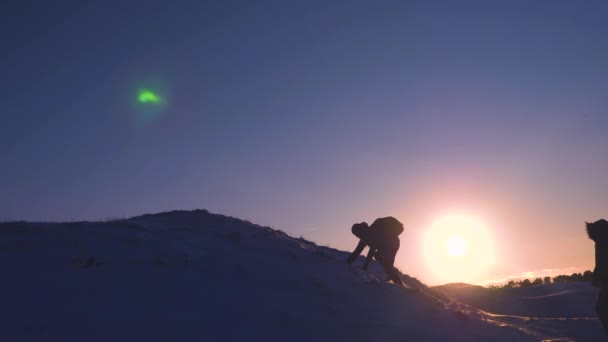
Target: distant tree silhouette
578,277
525,283
586,276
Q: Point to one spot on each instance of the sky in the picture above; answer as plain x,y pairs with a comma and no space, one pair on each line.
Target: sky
309,116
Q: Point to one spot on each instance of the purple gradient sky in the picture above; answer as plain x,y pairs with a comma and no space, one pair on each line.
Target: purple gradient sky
311,115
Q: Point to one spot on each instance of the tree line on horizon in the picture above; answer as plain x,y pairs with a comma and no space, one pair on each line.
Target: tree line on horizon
586,276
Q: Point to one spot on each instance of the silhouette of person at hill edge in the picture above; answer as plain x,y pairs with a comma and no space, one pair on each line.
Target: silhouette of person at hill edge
383,241
598,232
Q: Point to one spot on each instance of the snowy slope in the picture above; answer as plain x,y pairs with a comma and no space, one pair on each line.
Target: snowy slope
196,276
551,300
559,309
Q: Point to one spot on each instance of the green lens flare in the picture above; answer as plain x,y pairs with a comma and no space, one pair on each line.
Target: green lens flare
148,96
149,100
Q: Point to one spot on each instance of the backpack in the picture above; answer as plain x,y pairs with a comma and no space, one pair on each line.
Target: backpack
388,225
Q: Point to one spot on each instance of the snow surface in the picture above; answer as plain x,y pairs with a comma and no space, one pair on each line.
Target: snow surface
558,309
196,276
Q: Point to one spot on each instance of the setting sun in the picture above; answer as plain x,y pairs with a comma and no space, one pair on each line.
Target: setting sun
458,248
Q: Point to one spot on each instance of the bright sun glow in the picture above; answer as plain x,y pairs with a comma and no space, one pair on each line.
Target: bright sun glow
458,248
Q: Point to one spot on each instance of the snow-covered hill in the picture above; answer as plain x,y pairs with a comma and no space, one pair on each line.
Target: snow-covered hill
196,276
559,309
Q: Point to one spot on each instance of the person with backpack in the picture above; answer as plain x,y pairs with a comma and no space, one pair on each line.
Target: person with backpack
598,232
382,237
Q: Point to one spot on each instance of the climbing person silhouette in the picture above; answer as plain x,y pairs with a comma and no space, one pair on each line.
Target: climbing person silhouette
598,232
383,241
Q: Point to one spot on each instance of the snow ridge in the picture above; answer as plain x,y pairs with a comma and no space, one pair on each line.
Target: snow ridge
193,275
